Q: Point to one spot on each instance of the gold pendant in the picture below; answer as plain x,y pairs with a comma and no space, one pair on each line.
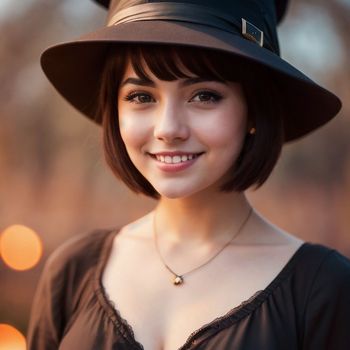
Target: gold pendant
178,280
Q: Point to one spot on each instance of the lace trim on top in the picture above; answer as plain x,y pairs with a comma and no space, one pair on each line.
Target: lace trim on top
204,332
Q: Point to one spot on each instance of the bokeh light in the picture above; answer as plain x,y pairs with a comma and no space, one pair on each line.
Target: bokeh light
11,338
20,247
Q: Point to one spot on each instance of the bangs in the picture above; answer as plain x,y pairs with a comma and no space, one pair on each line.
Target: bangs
170,63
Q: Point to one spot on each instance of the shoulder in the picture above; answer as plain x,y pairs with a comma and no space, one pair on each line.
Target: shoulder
327,310
79,253
333,270
319,273
66,275
326,260
323,273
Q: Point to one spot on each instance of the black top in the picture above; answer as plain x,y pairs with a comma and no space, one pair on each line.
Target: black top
307,305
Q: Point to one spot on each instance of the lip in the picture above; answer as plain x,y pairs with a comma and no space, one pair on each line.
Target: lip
173,153
176,167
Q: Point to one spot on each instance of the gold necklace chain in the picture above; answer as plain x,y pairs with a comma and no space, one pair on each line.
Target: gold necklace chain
179,279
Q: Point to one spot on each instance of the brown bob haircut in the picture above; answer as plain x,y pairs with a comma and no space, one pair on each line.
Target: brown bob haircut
259,152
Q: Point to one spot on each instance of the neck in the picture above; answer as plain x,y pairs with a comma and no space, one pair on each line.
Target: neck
196,220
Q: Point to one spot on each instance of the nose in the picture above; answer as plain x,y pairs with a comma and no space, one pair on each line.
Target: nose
171,124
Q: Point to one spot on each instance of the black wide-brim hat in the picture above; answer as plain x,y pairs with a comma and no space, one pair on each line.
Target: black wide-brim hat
244,28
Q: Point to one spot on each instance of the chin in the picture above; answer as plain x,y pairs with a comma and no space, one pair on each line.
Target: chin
178,192
173,193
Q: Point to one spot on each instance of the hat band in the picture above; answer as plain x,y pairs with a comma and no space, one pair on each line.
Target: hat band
191,13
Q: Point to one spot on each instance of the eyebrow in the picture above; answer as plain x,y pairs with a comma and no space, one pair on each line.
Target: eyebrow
144,82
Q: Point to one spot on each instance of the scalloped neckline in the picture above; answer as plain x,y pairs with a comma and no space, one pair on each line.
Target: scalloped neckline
199,335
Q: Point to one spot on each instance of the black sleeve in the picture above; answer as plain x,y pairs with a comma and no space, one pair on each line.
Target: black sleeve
47,314
57,296
327,317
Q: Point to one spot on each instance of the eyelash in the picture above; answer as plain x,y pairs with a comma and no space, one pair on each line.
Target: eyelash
214,97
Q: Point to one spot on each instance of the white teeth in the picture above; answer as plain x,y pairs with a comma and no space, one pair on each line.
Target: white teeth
168,159
175,159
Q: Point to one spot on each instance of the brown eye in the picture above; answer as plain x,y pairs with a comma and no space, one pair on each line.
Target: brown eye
206,97
139,98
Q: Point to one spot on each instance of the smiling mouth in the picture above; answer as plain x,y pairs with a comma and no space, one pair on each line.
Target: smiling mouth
176,159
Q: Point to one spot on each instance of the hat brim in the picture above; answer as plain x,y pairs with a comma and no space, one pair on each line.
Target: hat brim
74,68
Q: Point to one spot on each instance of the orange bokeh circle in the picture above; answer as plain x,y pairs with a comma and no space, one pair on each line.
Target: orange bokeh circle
20,247
11,338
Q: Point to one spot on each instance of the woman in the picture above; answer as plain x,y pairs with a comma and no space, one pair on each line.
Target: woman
193,124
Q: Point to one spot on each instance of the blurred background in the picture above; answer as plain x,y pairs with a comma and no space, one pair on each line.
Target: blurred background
54,183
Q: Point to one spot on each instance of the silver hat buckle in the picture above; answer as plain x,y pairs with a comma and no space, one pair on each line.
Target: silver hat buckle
253,33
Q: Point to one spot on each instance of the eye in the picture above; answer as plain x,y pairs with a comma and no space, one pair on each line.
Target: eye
139,98
206,97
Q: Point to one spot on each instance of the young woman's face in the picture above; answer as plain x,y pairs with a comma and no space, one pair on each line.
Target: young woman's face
183,135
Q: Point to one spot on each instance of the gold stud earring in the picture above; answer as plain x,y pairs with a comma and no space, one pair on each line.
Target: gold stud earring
252,131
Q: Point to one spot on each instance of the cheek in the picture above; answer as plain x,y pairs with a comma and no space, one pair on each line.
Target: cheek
224,130
133,130
234,124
